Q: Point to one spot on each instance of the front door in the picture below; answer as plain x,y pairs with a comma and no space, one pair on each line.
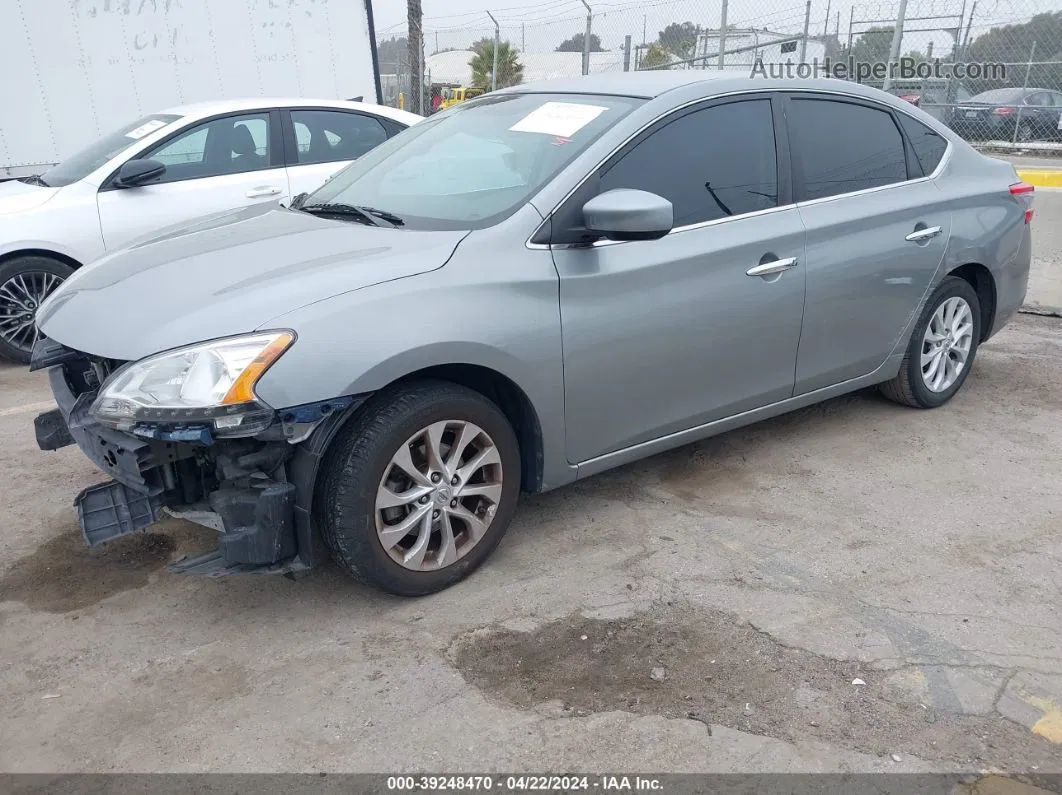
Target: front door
221,164
877,232
661,336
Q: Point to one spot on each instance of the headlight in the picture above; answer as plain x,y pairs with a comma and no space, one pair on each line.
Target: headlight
207,384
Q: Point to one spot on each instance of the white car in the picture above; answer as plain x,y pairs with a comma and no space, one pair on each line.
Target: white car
165,169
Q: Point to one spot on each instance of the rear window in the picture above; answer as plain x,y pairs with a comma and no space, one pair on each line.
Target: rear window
999,95
929,147
843,147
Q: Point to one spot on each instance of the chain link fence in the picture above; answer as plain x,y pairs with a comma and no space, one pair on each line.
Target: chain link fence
990,69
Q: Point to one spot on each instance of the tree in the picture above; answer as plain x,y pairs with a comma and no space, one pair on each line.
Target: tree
575,43
679,39
1012,44
655,58
873,46
392,52
510,70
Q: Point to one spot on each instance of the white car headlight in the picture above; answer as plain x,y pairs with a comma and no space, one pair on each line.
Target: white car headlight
207,384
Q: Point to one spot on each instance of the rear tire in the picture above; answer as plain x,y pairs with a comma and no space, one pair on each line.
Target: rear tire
946,336
395,467
24,283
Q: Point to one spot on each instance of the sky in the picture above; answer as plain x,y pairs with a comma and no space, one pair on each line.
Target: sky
541,26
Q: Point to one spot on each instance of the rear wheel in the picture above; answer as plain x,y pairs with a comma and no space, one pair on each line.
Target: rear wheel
24,284
1026,132
420,489
942,348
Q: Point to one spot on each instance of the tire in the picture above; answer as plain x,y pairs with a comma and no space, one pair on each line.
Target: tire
37,275
910,386
361,465
1026,132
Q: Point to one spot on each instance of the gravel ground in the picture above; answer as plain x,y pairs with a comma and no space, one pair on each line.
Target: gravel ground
852,587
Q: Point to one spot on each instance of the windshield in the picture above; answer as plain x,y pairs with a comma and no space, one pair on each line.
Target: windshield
475,164
79,166
1002,95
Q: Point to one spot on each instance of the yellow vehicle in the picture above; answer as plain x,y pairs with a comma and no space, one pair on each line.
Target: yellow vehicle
455,96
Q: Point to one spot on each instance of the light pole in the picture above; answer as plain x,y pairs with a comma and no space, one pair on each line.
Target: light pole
586,38
897,37
497,43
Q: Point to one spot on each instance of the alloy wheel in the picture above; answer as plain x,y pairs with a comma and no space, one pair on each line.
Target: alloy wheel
438,495
946,344
20,298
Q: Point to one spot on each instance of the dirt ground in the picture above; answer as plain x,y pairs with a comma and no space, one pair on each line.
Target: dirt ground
853,587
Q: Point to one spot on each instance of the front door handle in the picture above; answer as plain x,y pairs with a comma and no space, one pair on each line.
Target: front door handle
267,190
919,235
773,267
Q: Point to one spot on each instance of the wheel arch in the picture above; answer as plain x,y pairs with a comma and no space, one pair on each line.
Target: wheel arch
984,284
67,260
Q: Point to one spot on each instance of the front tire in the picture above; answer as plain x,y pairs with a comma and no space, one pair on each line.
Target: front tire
24,284
942,348
420,488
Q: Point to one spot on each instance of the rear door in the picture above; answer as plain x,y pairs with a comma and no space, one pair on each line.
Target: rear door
664,335
219,164
321,141
877,231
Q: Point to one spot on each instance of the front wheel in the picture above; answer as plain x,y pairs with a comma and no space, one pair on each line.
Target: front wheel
942,348
24,284
420,488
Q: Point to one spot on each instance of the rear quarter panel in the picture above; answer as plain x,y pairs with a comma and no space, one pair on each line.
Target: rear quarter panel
988,227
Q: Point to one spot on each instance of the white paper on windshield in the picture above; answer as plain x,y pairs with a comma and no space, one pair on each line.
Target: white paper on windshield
145,129
563,119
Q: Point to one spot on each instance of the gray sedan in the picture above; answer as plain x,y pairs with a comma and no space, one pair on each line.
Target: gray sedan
526,289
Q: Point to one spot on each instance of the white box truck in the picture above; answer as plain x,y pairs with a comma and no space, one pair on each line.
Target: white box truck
74,70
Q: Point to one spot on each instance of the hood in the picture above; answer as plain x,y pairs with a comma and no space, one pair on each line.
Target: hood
227,274
17,197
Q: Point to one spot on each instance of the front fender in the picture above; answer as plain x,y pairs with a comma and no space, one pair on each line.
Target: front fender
502,315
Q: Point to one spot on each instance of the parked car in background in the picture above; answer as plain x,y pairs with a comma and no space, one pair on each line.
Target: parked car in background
531,288
165,169
1009,114
936,97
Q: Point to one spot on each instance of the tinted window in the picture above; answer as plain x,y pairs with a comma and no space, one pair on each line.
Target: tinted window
709,164
327,136
929,147
231,145
999,96
844,147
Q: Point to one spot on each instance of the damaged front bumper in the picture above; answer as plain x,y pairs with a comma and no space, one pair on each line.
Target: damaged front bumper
255,492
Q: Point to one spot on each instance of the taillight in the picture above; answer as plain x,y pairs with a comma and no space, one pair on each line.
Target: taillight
1024,192
1004,111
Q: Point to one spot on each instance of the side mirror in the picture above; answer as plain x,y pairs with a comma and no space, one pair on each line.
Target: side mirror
138,172
629,215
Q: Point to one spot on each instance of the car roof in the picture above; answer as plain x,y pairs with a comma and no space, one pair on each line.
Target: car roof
650,84
212,108
644,83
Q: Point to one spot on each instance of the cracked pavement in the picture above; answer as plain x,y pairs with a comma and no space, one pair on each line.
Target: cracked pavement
915,551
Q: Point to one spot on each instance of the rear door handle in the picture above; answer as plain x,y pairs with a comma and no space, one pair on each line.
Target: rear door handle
258,193
771,268
923,234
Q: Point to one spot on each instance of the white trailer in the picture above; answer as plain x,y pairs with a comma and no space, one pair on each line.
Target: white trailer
74,70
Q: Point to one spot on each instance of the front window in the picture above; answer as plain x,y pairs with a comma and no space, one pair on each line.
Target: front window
79,166
474,165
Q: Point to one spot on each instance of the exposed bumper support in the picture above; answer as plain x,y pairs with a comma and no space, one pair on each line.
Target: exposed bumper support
256,492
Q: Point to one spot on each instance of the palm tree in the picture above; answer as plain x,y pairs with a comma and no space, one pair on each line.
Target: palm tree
655,57
510,70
